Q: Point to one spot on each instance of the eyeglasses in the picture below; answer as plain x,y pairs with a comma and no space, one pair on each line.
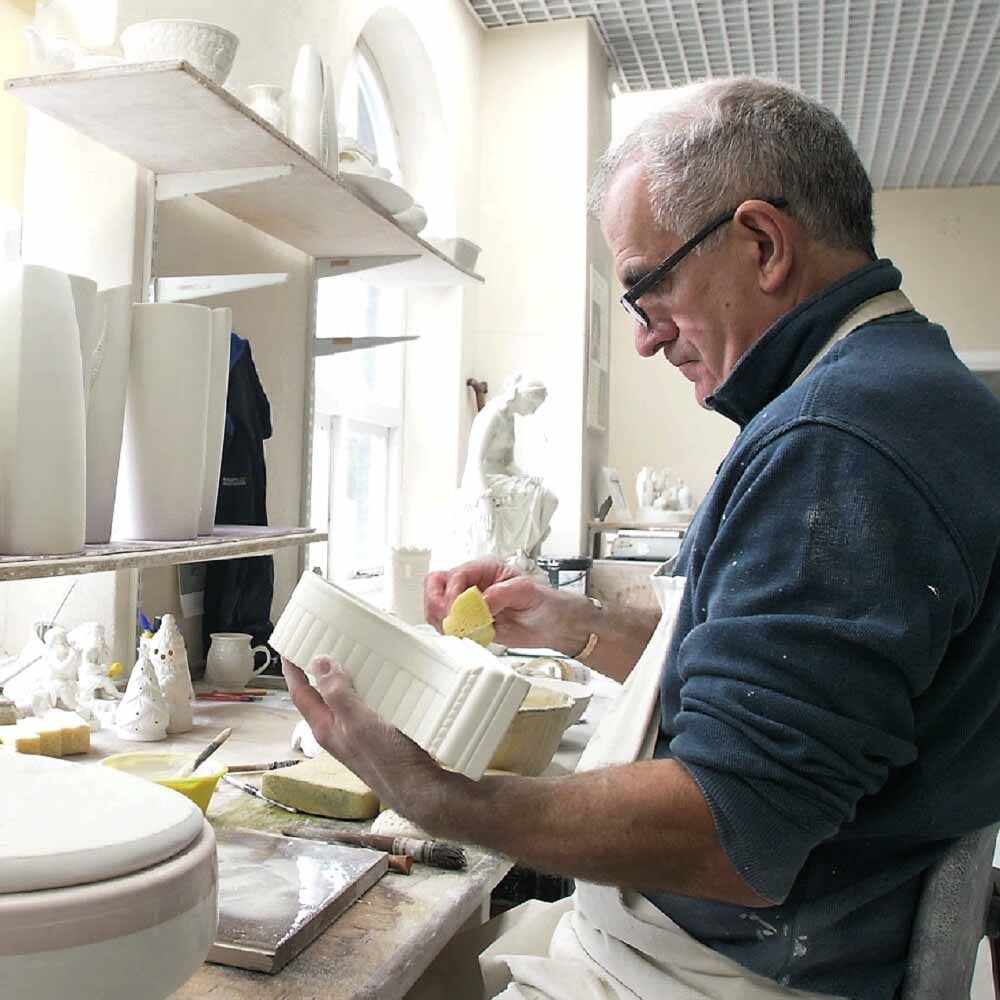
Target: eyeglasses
630,300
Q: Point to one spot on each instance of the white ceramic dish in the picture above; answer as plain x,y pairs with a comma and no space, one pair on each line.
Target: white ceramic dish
208,47
449,695
535,733
108,883
463,252
391,197
580,693
413,219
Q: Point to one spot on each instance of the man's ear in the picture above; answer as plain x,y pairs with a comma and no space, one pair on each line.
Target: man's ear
768,233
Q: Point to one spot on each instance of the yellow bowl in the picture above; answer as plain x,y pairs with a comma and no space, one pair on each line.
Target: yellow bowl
159,767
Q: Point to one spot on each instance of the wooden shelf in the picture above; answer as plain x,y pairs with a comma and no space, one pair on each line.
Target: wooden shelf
228,542
173,120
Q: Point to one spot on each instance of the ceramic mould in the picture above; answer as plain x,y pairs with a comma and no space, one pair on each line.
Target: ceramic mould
449,695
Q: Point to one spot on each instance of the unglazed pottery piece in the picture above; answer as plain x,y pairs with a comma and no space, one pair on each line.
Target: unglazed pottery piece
42,415
143,714
230,661
168,654
530,743
463,252
449,695
393,198
265,100
120,824
215,424
120,902
406,571
412,219
105,352
307,103
161,482
210,48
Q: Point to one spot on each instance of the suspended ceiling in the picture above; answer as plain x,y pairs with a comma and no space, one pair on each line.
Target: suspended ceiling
916,82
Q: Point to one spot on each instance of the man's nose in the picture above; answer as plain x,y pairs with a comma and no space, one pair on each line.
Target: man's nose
649,340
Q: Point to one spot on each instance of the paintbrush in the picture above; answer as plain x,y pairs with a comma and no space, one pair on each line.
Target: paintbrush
245,786
436,853
191,766
270,766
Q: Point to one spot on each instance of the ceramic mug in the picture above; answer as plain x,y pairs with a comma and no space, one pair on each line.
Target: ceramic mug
230,662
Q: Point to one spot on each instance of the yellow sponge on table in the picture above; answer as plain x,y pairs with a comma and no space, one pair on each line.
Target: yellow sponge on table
470,618
75,732
323,787
50,734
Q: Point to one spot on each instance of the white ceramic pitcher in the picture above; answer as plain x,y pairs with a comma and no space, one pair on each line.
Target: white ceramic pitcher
230,662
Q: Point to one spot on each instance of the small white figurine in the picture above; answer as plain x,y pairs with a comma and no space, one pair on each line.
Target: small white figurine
502,510
142,714
95,666
661,497
168,654
60,688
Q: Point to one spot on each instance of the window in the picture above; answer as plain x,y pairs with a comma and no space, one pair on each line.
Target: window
358,415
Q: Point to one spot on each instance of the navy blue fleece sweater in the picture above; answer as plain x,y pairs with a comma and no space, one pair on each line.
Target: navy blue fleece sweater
834,680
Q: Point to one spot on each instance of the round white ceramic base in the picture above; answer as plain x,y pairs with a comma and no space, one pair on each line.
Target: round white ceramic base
107,956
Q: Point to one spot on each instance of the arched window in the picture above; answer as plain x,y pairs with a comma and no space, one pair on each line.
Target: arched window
358,423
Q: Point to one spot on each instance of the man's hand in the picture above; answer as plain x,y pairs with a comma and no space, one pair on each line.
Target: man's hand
525,612
401,774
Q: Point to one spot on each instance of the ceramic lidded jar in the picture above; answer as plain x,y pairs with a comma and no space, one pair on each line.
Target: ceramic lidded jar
161,482
42,416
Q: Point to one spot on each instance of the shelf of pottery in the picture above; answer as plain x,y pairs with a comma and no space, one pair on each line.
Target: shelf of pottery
166,109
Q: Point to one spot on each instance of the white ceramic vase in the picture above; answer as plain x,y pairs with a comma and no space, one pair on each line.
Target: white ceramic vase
161,481
42,442
307,103
215,423
265,100
105,349
407,570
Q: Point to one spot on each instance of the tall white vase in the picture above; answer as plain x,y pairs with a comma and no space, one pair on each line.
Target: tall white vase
42,441
215,423
306,102
105,377
163,451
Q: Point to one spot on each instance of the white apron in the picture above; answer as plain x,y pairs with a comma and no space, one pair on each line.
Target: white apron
605,943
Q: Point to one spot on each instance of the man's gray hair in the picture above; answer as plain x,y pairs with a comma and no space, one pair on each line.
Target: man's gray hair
720,142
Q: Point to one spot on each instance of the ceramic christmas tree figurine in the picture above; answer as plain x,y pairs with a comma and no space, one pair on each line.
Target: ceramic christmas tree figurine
142,714
169,657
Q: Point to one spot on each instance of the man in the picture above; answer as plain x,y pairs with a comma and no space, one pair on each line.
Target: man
828,701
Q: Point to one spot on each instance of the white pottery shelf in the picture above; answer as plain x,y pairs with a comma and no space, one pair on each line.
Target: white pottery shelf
172,120
227,542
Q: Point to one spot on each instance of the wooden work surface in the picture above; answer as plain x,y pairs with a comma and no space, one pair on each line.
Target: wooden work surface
385,941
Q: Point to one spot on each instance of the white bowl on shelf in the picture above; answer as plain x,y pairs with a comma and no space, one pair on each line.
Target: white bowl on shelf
412,219
463,252
208,47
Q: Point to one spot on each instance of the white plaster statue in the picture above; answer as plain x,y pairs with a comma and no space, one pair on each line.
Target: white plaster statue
661,497
95,664
502,510
142,714
168,654
59,689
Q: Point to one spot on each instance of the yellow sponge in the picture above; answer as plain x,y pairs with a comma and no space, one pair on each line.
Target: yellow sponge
323,787
470,618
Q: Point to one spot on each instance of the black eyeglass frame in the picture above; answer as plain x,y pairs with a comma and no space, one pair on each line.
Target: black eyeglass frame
630,299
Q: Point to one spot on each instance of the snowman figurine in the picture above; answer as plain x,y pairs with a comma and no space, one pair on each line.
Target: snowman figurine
168,654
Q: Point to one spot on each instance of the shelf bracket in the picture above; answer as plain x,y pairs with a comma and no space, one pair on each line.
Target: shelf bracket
170,186
331,267
203,285
323,346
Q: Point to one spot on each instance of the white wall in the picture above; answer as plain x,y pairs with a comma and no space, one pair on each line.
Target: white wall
946,242
541,107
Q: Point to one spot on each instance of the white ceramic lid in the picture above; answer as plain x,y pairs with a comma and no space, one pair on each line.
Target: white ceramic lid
66,824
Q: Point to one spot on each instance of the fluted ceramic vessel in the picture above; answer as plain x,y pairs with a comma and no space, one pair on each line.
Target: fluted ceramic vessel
163,452
307,104
42,417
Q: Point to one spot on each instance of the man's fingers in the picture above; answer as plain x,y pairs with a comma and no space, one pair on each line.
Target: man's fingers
307,700
435,605
519,594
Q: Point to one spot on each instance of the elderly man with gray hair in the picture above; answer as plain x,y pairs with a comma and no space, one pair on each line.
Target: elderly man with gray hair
815,716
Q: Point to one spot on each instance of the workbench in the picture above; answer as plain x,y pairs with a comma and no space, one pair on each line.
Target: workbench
383,943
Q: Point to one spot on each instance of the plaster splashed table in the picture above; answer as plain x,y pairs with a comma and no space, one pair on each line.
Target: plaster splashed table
380,947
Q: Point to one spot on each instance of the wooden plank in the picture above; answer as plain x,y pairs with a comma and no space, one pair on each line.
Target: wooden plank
228,541
171,119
